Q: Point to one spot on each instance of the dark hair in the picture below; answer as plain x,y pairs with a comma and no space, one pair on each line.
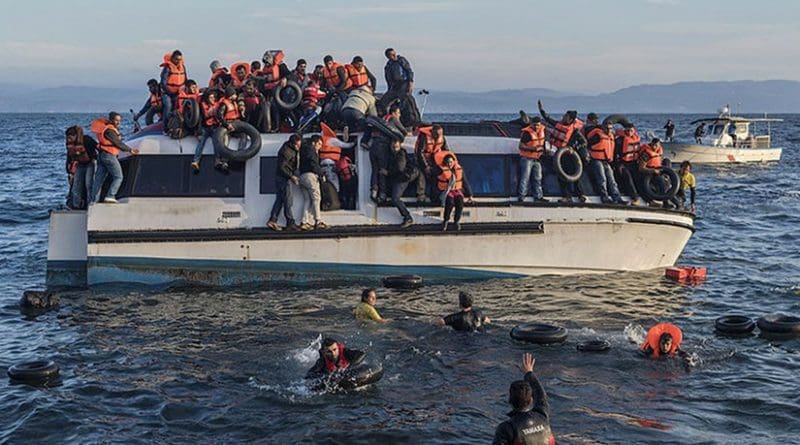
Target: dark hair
112,115
152,82
664,337
520,394
393,108
328,58
365,294
437,127
655,141
75,130
301,62
387,51
254,64
686,164
208,92
357,59
464,299
177,52
230,91
190,82
294,138
327,341
314,139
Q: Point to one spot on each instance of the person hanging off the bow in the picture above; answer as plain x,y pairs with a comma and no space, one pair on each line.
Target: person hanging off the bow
453,187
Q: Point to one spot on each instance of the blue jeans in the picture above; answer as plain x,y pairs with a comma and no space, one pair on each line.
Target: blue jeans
604,179
82,185
283,199
166,102
530,168
198,151
107,164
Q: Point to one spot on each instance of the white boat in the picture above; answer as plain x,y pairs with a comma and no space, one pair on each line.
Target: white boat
728,139
171,225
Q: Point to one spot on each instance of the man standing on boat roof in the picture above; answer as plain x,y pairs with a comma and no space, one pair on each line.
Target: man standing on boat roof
628,143
286,174
400,83
563,133
173,76
650,159
602,141
531,149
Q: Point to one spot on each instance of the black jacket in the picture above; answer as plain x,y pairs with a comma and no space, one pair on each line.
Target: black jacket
529,427
354,356
309,160
287,161
116,140
398,71
467,321
400,170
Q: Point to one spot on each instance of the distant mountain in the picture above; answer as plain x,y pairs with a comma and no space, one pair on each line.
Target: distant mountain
773,96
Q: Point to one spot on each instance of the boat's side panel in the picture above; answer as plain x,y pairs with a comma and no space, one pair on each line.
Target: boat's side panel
563,248
704,154
66,248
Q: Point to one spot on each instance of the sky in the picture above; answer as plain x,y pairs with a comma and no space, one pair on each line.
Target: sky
572,46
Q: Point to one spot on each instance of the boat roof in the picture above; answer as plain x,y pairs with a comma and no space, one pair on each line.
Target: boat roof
734,119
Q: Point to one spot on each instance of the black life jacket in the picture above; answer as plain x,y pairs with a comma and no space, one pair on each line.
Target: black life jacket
531,428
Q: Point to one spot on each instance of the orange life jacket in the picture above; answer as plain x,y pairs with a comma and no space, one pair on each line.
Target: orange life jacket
155,101
561,133
328,151
231,110
343,166
176,75
654,337
332,77
443,180
212,82
99,127
603,149
209,114
534,148
76,151
238,83
355,77
312,95
654,155
629,146
183,96
432,146
272,73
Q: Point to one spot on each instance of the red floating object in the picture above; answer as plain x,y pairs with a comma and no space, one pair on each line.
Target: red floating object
685,273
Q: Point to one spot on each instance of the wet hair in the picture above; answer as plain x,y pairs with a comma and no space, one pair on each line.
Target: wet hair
113,115
314,139
328,58
520,394
387,51
327,341
190,82
301,62
685,164
255,65
75,130
365,294
664,337
393,108
357,59
464,300
152,82
177,52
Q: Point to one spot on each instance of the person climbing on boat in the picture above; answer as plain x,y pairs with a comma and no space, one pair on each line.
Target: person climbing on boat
592,120
220,78
453,187
334,357
299,73
468,319
531,149
699,132
334,75
173,76
188,91
529,421
400,86
81,158
227,113
152,106
663,339
403,172
601,141
430,140
650,160
310,177
358,75
689,183
669,131
628,143
209,123
365,310
240,73
109,145
273,74
563,133
255,105
286,174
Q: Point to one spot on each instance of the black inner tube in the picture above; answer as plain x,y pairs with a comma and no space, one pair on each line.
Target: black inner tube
36,371
222,137
568,164
289,96
734,324
191,113
617,119
540,333
674,183
381,127
360,376
597,345
779,324
403,282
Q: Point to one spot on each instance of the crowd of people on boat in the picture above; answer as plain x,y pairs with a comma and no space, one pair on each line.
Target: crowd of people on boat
269,97
529,419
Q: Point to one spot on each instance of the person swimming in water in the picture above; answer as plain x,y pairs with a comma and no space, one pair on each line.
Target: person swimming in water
468,319
663,339
529,422
365,310
334,357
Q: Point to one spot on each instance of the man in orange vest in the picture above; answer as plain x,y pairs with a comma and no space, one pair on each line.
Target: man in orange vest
650,158
531,149
173,76
563,133
359,75
109,145
628,144
430,141
601,140
152,106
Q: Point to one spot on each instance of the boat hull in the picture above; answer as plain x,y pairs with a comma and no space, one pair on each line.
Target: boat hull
704,154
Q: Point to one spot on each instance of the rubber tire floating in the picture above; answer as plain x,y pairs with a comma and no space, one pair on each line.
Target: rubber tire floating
360,376
289,96
558,164
191,113
597,345
36,372
539,333
221,138
381,127
403,282
779,324
675,182
734,324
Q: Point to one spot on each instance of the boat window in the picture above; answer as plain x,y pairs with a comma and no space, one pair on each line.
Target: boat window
267,167
172,176
488,175
717,129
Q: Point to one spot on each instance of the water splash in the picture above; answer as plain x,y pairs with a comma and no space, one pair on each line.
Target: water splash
635,333
307,355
